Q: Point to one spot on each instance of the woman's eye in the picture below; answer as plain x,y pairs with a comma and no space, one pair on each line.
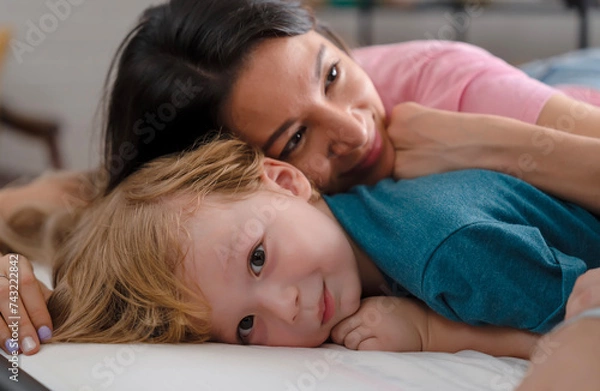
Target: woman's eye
293,143
245,327
331,76
257,260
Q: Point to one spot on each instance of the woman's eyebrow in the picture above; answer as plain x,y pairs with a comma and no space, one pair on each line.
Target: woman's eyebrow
287,123
280,130
319,62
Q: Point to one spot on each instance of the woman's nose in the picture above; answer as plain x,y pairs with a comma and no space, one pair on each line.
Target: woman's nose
346,134
281,302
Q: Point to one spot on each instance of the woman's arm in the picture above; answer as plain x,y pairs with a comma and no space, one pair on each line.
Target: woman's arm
27,212
64,189
564,164
569,357
566,114
401,324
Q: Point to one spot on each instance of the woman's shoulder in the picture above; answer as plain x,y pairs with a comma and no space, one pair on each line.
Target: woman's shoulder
407,50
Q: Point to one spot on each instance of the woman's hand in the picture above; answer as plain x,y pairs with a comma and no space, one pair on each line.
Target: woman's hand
585,294
429,141
569,357
26,320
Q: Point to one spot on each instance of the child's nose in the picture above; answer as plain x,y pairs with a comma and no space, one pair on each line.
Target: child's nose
281,302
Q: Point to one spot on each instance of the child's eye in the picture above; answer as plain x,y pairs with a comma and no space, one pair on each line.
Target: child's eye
245,327
257,260
293,143
331,76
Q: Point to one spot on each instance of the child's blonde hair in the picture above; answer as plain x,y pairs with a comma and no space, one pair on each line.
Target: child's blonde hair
116,274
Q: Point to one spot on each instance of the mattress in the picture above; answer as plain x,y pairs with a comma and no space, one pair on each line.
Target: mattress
212,366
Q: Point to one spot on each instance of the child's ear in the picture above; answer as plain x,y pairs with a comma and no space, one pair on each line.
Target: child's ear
285,176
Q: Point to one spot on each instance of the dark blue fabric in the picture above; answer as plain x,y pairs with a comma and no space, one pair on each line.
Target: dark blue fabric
477,246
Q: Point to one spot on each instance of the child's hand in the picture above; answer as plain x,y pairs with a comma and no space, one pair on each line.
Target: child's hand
25,318
383,323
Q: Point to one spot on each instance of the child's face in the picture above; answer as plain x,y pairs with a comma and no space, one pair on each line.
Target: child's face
304,101
274,269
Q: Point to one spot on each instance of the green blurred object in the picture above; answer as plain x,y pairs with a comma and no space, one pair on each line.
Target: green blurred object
343,3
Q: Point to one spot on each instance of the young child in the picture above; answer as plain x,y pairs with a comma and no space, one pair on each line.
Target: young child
221,243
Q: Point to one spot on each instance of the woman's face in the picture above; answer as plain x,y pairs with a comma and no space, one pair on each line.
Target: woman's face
303,100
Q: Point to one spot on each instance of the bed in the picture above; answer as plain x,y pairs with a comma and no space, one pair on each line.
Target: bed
212,366
91,367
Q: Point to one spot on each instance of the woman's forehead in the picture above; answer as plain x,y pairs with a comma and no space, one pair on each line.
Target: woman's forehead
277,77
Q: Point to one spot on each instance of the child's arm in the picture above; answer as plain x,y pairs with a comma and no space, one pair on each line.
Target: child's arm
401,324
566,165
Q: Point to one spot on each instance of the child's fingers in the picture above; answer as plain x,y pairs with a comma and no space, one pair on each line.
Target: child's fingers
342,329
356,337
371,343
351,332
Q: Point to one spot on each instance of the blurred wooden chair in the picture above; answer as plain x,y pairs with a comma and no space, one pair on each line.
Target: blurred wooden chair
46,131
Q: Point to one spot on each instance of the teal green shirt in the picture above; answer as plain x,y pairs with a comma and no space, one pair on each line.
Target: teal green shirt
476,246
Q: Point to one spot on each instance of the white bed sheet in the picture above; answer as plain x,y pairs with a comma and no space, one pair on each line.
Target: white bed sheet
91,367
87,367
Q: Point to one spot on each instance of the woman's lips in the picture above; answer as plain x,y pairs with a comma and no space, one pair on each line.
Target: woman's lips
328,306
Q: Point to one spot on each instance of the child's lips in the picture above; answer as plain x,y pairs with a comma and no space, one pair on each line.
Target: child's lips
327,305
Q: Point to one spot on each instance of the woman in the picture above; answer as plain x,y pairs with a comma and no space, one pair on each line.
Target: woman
191,67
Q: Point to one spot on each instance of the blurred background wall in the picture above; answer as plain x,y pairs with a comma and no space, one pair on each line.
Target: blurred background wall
61,49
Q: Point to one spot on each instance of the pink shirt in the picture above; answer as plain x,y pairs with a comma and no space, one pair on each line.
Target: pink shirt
459,77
